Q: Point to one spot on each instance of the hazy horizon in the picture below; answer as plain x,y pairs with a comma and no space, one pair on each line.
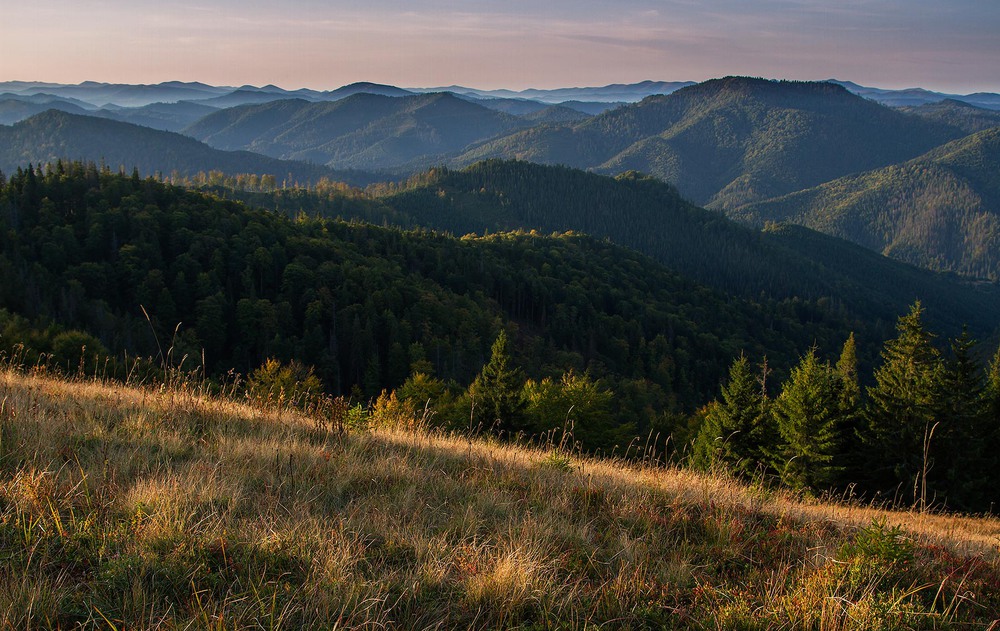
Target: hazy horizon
514,45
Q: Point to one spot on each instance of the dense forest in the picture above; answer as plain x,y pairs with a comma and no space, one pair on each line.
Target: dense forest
924,433
781,263
95,251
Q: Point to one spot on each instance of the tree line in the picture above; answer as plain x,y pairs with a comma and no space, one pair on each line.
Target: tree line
926,431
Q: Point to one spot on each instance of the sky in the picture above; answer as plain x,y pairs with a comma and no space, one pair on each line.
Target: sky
945,45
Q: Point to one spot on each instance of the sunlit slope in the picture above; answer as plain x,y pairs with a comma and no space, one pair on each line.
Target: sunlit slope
940,211
143,508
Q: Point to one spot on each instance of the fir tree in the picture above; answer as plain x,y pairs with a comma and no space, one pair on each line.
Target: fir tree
904,407
963,432
847,370
991,391
991,433
496,391
850,412
737,430
809,417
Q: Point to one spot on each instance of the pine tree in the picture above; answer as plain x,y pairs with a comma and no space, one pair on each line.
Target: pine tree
903,409
737,431
809,418
496,391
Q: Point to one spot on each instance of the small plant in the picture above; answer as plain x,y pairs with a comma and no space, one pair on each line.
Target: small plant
357,417
558,460
390,412
881,542
284,384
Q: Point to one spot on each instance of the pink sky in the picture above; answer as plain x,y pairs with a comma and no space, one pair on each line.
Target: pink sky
516,44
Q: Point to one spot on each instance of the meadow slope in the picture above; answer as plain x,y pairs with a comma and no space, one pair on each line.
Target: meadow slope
161,507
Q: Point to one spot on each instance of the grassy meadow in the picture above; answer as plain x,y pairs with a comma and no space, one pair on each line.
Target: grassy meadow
146,507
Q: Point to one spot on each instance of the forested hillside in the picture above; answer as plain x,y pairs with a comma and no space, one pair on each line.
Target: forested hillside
731,141
15,109
362,131
964,116
940,211
780,263
162,116
95,251
649,216
52,135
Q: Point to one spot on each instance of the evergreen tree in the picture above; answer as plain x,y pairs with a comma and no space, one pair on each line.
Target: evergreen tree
991,434
991,391
808,416
850,412
737,430
847,370
903,409
496,390
963,432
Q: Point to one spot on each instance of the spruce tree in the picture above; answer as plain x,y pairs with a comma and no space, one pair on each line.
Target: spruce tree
962,435
809,418
847,370
903,408
991,460
496,392
849,457
737,431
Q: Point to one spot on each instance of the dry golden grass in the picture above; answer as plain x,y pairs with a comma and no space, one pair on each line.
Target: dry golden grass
160,508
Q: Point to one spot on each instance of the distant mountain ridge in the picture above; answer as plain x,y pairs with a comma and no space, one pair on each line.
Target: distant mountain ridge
132,95
940,210
361,131
732,141
918,96
617,92
54,135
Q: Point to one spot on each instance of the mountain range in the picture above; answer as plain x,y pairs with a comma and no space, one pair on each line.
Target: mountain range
817,154
731,141
54,135
363,131
126,95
